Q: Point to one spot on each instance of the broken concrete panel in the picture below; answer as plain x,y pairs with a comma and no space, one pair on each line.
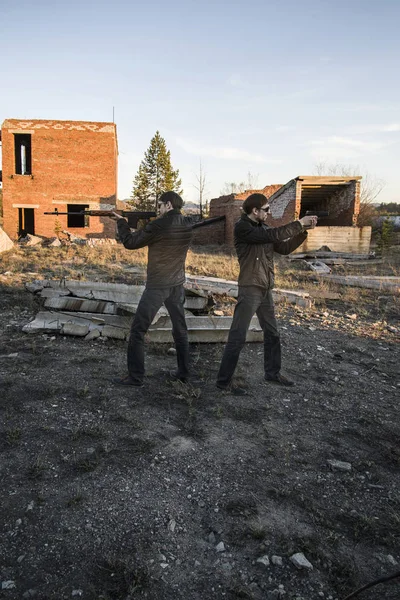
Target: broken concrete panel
92,335
300,298
31,240
195,303
74,329
52,293
212,284
189,291
334,255
391,284
207,336
80,305
5,242
131,297
318,266
44,321
53,321
55,243
34,287
207,329
114,332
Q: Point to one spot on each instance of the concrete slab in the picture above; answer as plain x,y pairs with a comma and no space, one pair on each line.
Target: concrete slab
391,284
318,266
80,305
5,242
74,329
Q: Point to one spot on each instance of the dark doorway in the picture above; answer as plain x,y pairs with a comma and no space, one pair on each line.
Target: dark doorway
77,220
26,221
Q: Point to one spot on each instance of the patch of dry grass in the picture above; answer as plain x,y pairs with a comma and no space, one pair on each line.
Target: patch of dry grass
112,263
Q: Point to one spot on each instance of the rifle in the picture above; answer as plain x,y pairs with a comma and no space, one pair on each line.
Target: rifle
133,216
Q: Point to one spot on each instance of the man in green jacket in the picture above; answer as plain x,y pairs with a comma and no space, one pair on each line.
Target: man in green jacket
255,245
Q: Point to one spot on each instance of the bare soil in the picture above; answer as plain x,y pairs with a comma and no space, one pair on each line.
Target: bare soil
116,494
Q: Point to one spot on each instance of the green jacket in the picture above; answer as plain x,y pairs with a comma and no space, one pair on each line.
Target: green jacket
255,245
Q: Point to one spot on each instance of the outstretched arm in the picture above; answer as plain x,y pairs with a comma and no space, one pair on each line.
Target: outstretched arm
136,239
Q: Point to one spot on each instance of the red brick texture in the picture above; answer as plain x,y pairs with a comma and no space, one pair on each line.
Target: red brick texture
73,162
231,207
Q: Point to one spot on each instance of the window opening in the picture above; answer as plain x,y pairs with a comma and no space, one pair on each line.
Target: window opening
77,220
23,153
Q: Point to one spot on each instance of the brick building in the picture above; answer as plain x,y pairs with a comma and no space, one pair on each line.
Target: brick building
339,196
65,165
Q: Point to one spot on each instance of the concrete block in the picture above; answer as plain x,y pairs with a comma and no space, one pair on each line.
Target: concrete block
74,329
80,305
5,242
114,332
92,335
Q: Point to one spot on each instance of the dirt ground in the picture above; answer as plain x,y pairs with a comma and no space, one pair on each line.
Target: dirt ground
174,491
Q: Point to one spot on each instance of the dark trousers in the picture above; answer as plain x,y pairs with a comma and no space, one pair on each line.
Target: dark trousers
149,304
251,300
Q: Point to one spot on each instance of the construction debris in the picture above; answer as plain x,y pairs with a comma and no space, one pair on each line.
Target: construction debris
82,308
318,266
334,255
389,283
5,242
201,329
214,285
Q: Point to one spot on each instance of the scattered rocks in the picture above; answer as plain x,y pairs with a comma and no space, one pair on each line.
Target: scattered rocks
29,594
172,525
263,560
8,585
392,329
220,547
276,560
172,351
339,465
300,561
211,538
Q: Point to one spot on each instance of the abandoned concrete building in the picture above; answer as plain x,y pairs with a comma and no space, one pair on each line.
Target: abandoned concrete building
65,165
338,196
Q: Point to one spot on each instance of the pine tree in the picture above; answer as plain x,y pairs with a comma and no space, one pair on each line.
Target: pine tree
155,176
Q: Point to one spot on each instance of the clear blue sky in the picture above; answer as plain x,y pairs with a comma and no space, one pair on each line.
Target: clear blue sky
267,86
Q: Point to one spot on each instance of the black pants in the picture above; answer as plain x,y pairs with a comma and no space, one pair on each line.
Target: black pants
149,304
251,300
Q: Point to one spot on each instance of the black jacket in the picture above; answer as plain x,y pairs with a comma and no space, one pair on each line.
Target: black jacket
255,245
168,238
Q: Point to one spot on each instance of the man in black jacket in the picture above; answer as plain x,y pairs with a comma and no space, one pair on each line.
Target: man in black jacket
168,238
255,245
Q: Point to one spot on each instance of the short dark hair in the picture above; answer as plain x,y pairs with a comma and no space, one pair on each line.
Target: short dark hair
254,201
173,197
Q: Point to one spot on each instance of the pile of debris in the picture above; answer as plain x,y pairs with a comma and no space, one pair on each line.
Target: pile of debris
318,263
94,309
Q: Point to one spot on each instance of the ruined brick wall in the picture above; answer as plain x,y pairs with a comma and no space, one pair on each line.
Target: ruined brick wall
231,207
73,162
285,204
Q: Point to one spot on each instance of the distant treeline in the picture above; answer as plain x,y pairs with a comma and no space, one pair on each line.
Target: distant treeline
391,208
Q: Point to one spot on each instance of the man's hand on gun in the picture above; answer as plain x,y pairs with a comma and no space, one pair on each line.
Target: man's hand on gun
309,222
115,216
